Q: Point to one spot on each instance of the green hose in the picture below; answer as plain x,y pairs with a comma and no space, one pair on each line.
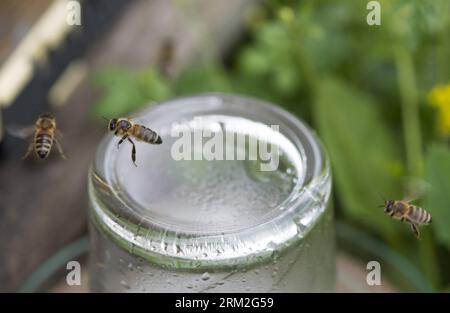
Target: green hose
54,263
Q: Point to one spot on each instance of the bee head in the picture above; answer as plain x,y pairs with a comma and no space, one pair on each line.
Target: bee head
112,125
46,121
47,115
388,206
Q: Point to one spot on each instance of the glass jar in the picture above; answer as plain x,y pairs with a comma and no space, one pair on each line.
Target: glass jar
204,213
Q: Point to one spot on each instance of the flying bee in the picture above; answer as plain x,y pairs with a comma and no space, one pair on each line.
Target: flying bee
404,211
44,137
124,128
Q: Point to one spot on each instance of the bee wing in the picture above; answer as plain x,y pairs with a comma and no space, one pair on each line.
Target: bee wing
415,188
20,131
59,133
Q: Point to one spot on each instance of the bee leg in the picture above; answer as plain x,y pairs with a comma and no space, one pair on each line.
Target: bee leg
30,148
402,219
415,229
121,140
133,152
60,150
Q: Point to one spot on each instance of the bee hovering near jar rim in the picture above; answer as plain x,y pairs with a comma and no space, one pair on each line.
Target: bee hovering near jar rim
406,212
44,134
126,129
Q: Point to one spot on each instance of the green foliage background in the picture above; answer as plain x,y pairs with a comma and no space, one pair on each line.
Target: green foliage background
364,88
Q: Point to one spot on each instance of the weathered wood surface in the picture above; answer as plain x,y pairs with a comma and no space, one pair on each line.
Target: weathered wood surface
43,205
16,18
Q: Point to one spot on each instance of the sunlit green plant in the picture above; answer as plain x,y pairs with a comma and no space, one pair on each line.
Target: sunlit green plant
366,89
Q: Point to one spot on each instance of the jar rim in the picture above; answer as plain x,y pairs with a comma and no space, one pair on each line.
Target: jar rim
160,245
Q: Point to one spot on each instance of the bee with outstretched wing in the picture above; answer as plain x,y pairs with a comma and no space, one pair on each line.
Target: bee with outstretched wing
406,212
44,137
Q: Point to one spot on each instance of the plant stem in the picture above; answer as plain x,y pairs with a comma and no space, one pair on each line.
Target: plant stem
306,68
444,46
413,146
429,258
410,111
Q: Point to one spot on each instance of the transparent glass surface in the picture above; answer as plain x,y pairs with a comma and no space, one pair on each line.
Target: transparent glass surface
172,225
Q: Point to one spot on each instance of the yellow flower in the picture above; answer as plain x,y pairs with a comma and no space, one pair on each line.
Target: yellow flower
439,97
286,14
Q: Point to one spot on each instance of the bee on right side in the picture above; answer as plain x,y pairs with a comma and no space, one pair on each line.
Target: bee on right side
406,212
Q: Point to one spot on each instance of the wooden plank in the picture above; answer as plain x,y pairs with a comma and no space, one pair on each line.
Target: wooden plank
16,18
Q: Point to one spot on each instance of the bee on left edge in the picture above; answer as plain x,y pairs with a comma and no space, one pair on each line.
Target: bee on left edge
124,128
405,211
44,137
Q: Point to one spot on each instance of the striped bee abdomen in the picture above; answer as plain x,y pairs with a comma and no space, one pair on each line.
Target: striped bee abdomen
43,144
146,134
420,216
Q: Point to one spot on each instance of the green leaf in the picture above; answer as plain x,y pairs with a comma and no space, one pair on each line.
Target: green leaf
118,101
125,91
209,77
153,86
252,62
365,158
120,92
437,201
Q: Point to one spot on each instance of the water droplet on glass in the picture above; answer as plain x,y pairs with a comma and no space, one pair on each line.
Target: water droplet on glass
205,276
271,245
125,284
301,228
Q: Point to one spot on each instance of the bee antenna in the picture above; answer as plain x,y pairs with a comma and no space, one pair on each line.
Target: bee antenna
382,199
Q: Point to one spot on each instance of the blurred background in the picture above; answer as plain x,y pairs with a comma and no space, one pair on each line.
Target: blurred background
377,95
